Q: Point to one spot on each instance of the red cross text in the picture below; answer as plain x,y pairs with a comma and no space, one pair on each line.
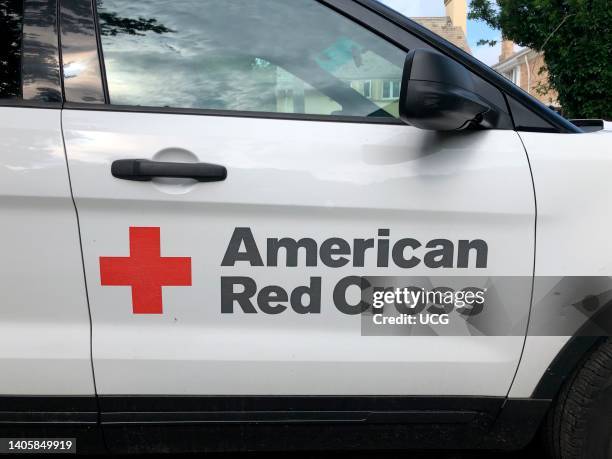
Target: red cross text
145,270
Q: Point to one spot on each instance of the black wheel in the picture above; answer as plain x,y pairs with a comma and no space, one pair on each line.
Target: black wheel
579,425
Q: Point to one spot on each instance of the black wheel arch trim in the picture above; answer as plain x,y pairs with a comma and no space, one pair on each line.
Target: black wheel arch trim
564,364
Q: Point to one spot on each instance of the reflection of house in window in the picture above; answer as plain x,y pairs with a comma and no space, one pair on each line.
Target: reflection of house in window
367,79
296,96
285,101
367,89
365,70
391,89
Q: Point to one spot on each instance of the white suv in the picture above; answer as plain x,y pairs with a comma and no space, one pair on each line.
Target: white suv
305,224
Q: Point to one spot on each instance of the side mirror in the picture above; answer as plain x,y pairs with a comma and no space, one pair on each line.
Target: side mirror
438,94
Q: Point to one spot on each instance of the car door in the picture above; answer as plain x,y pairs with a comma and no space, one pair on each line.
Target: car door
242,280
45,361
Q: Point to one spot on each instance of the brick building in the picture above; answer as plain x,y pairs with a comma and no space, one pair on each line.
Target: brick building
527,69
453,26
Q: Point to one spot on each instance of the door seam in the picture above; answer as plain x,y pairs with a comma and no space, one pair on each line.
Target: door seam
76,212
535,245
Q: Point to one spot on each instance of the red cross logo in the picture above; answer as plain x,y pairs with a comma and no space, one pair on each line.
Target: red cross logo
145,271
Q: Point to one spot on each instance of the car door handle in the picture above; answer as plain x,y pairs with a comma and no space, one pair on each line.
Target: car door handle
143,170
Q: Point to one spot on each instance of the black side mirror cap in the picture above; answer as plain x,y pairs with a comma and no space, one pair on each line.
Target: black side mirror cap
438,94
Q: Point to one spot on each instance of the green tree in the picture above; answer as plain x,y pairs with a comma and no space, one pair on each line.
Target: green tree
576,39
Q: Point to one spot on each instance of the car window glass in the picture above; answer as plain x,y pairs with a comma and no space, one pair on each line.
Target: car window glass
11,23
247,55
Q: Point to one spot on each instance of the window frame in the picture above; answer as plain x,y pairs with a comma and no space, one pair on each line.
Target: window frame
527,113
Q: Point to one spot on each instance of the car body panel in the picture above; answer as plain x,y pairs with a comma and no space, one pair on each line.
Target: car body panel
44,320
293,179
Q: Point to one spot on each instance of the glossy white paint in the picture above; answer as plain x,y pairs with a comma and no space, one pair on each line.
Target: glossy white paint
571,175
294,179
44,321
308,179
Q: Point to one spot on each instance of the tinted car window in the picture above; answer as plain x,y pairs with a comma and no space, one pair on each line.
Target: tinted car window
248,55
11,24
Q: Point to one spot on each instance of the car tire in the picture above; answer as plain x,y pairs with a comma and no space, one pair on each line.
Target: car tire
579,424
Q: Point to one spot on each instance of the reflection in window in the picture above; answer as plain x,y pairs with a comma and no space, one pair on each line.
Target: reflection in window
247,55
391,89
367,89
11,21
